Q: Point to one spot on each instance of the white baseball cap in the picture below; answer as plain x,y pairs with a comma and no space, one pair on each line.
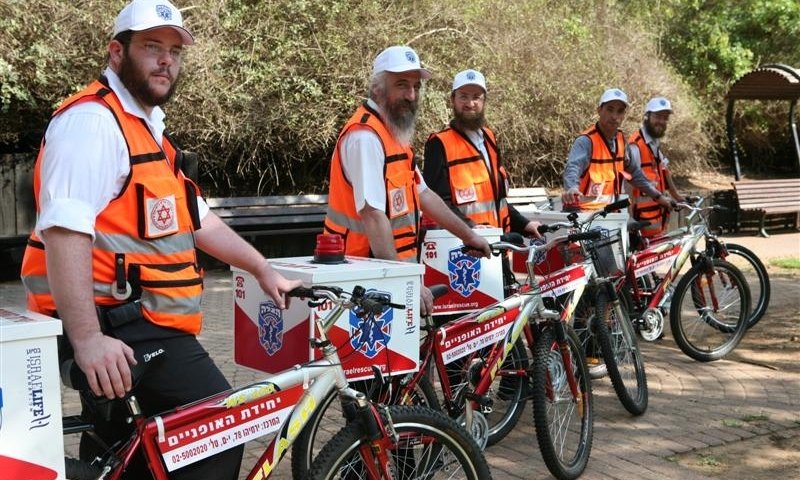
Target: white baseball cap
613,94
658,104
469,77
398,59
146,14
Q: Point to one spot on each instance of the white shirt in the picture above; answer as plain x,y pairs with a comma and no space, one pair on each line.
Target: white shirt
655,146
362,158
476,137
86,161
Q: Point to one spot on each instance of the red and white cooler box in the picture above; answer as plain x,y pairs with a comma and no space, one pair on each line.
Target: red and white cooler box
552,261
31,436
474,282
271,340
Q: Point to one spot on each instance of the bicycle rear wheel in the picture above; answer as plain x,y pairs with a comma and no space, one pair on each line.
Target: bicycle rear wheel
621,354
329,419
755,273
583,323
563,421
709,310
430,445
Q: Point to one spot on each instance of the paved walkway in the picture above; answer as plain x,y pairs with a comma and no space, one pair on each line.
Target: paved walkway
692,405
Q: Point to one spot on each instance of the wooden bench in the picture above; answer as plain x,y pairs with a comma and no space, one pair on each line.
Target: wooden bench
272,215
769,197
536,196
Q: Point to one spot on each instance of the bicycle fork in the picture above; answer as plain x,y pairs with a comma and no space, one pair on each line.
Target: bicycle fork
566,359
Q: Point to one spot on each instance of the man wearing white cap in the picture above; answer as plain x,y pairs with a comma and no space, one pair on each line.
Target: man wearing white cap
644,149
376,192
463,165
598,165
114,247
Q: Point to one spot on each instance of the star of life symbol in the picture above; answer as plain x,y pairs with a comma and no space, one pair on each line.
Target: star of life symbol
270,327
540,255
464,272
370,336
470,75
164,12
162,214
410,56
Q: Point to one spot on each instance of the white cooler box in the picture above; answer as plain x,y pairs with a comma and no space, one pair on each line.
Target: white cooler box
611,222
474,282
271,340
31,436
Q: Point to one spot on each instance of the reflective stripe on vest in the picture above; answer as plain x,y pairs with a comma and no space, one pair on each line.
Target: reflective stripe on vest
643,206
477,191
402,199
144,236
603,179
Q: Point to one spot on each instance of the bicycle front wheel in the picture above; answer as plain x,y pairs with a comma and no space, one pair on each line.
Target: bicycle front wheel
430,445
329,419
709,309
755,273
621,353
563,419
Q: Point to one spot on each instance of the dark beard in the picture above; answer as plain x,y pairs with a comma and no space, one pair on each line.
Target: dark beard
463,122
136,83
650,131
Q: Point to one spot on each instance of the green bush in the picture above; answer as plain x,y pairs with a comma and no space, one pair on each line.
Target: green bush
269,84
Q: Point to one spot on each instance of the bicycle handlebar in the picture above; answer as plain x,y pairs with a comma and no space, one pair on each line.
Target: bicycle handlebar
370,302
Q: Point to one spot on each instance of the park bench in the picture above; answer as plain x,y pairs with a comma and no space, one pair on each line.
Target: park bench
769,197
296,214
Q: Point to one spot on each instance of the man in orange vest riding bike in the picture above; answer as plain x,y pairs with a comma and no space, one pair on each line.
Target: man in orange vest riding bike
644,149
377,193
597,164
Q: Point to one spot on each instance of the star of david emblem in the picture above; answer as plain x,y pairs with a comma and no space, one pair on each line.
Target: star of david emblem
410,56
464,272
470,75
162,214
164,12
371,335
270,327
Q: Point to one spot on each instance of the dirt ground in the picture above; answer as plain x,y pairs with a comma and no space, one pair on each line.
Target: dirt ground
773,343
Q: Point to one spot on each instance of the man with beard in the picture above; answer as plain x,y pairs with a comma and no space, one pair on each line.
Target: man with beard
376,192
597,165
114,247
462,162
644,149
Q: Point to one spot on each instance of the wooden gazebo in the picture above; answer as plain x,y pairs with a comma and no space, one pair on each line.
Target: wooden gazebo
767,82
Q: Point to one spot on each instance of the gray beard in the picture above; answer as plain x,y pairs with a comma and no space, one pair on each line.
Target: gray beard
400,124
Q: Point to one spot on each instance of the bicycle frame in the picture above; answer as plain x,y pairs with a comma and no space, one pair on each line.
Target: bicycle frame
282,403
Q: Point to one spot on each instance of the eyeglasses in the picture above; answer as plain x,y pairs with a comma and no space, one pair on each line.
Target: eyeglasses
466,98
157,50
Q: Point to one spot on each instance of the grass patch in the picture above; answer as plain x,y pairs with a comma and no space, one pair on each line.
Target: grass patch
708,460
761,417
788,262
732,422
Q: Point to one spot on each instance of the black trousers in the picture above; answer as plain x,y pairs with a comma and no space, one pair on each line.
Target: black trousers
186,374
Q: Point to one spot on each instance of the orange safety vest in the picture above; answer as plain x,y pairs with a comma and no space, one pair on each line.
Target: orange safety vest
144,245
478,192
643,206
603,179
402,200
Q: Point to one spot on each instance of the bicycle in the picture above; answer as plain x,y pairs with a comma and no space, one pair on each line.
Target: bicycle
473,355
751,267
708,308
379,441
602,321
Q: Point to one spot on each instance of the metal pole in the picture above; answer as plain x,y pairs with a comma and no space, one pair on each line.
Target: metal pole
737,172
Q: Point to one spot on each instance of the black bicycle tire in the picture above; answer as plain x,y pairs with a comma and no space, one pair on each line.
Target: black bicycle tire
510,418
676,325
75,469
543,345
303,446
759,306
587,339
622,327
431,423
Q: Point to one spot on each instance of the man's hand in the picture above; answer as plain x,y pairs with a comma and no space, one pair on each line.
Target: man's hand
106,363
275,285
665,201
425,302
477,243
571,196
532,229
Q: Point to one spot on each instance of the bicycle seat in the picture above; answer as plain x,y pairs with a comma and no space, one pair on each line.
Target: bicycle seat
146,354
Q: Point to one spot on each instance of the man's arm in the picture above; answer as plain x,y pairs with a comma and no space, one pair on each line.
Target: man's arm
103,359
434,207
640,181
577,162
221,242
437,176
379,232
